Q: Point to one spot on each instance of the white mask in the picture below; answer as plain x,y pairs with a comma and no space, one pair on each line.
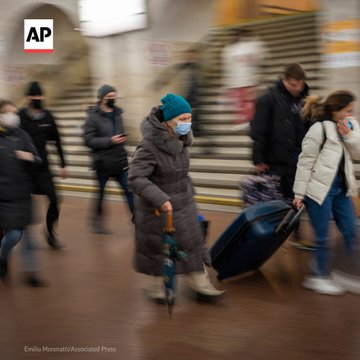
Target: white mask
9,120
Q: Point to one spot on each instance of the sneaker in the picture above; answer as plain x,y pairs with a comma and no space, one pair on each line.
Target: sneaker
349,282
323,285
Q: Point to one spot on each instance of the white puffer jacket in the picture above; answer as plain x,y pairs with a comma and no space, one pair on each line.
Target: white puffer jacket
320,159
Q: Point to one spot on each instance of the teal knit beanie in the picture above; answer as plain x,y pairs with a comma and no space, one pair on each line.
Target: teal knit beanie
173,106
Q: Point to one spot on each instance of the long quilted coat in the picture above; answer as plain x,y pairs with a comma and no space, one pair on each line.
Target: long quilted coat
15,179
159,172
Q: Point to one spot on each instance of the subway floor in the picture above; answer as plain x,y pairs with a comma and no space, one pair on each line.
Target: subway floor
94,306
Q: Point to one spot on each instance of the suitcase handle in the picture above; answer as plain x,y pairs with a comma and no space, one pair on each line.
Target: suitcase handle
289,219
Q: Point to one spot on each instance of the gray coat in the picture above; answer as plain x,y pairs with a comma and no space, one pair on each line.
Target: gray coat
99,128
159,172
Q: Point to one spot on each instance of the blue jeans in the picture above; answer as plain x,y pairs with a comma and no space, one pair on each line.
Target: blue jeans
341,207
10,239
122,179
28,257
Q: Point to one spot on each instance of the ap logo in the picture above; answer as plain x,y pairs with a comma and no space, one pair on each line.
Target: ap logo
38,35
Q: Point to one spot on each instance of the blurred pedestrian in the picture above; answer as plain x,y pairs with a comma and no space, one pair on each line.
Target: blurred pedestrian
17,157
242,62
105,135
325,179
160,179
278,129
187,75
193,82
40,124
29,260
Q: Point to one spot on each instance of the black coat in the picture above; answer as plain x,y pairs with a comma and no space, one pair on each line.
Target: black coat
278,130
42,130
15,179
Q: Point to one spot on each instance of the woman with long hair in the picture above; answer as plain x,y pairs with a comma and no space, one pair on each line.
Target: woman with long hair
325,178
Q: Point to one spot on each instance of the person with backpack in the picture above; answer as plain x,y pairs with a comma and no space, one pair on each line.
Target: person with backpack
325,179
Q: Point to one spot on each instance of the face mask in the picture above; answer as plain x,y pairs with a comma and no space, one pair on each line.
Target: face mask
9,120
110,103
36,104
182,128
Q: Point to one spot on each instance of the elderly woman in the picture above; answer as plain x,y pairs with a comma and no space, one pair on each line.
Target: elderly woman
159,177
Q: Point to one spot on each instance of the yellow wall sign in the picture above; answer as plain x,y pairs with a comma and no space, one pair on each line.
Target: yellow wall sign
341,43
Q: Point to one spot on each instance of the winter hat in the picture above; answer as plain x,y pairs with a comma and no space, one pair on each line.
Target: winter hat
104,90
174,105
34,89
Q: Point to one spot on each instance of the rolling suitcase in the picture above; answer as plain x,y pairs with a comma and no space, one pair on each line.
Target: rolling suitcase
253,237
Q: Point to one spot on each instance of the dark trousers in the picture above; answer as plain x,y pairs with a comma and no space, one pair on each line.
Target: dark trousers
44,185
286,187
122,180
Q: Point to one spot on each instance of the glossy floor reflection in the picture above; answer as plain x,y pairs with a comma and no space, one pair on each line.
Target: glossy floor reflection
94,308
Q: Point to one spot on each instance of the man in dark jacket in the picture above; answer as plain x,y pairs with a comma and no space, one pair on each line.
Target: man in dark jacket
40,124
105,135
277,128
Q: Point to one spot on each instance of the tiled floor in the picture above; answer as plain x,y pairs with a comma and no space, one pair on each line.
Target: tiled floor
94,308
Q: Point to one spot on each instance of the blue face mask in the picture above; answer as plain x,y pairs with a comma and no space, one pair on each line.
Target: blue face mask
182,128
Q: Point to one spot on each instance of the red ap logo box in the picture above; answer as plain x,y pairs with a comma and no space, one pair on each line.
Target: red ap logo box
38,35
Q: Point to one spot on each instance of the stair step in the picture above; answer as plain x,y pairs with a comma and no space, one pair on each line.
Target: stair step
219,116
269,23
81,161
225,181
69,123
275,38
232,129
308,61
210,179
75,101
312,75
70,108
82,92
79,114
197,151
217,90
71,131
112,187
216,61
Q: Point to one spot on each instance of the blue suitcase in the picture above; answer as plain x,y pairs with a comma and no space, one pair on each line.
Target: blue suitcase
253,237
